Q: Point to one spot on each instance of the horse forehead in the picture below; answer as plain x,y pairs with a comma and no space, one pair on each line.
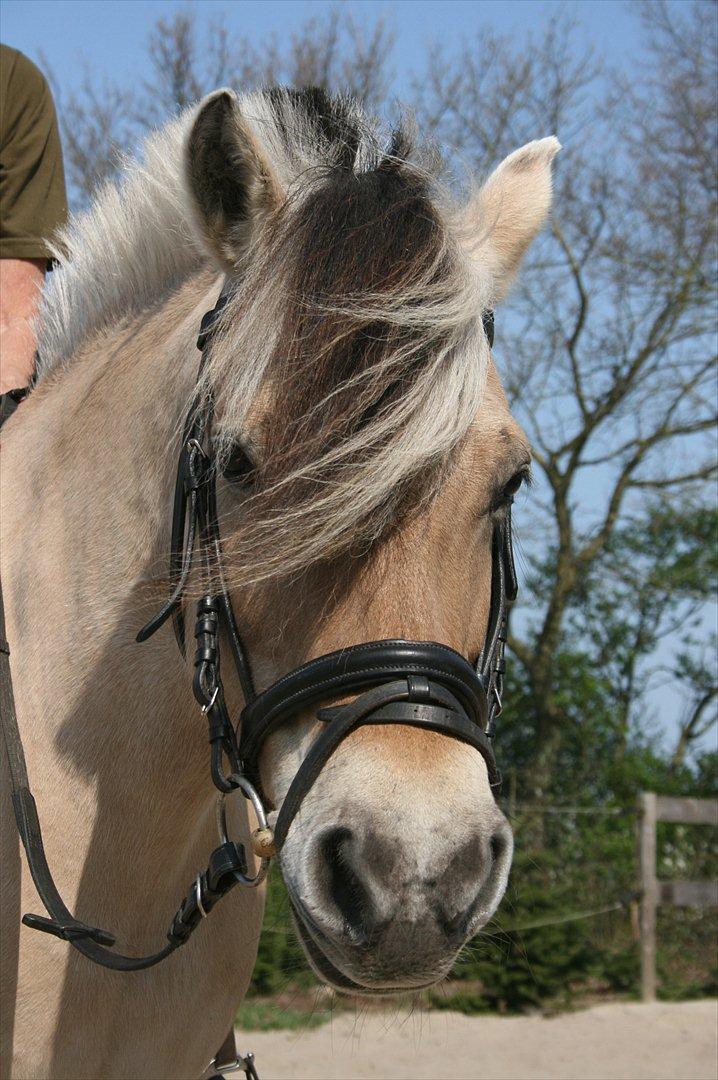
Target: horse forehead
495,432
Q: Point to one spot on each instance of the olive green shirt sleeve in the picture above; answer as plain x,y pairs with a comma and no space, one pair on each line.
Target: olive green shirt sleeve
33,203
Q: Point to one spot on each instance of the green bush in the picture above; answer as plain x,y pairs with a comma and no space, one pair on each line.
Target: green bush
280,960
262,1015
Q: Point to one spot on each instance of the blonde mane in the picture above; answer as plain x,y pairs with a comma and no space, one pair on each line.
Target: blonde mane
128,251
137,243
357,318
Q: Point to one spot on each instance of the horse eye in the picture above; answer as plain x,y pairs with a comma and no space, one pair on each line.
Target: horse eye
488,322
510,489
238,467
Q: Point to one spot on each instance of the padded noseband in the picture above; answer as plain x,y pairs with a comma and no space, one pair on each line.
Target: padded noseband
415,683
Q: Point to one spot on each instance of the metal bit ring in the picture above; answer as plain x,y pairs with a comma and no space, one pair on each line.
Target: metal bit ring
242,783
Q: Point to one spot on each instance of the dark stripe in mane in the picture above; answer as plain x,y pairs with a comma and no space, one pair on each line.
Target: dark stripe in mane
371,235
357,319
332,118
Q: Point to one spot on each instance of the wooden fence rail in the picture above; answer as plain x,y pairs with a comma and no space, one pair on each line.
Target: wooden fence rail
653,808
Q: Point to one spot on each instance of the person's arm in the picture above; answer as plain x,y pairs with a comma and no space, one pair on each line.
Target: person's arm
20,284
32,207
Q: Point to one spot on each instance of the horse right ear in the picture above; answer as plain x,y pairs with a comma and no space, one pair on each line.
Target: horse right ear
230,181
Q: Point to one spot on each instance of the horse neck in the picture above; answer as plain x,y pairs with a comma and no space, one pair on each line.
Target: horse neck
86,532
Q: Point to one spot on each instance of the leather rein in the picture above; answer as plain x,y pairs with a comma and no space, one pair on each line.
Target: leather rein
421,684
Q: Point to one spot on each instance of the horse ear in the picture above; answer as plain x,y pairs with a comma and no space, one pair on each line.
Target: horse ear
510,209
229,178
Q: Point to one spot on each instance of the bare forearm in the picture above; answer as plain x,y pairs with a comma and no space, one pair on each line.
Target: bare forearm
20,285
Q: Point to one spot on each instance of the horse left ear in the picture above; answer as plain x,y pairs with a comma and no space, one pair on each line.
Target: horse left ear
230,181
509,210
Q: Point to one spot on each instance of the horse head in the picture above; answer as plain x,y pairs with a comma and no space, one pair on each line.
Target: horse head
366,462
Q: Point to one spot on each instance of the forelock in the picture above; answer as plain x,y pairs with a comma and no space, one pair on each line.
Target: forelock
359,319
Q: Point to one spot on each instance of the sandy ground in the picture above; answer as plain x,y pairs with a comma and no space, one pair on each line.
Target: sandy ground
609,1042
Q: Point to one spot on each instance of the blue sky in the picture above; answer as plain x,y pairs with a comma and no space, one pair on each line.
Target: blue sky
112,33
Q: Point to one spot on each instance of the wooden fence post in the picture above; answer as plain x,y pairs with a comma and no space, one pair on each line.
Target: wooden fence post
649,892
651,809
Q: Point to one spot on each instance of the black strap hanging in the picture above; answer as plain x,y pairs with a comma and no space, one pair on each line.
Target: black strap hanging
220,876
226,861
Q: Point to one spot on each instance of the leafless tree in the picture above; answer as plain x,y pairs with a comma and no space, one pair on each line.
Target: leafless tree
698,674
189,57
610,358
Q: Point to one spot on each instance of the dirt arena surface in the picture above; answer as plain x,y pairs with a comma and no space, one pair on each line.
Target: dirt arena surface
622,1041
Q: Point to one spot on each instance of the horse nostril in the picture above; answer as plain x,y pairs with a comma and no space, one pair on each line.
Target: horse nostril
499,843
345,890
475,875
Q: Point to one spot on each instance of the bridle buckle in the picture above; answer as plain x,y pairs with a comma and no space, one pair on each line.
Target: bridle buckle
238,1062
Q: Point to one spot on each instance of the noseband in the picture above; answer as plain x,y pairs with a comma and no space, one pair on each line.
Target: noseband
413,683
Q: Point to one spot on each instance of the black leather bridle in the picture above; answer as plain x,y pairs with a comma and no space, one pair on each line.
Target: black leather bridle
421,684
416,683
